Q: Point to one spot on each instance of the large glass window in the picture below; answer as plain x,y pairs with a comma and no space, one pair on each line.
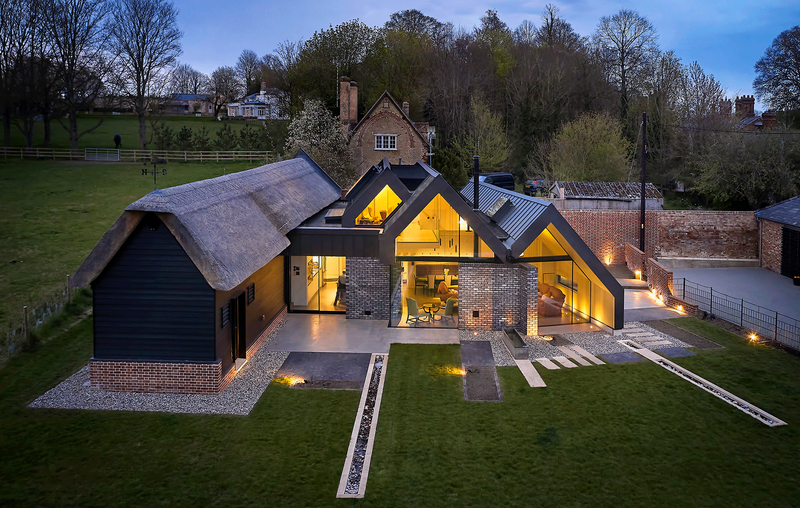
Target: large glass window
318,283
440,231
379,208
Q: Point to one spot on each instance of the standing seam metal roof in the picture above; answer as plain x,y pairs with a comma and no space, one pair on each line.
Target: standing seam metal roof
524,210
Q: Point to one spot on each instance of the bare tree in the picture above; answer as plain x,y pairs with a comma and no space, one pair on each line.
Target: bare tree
555,31
248,71
627,44
278,68
525,34
78,34
145,37
187,80
778,72
224,88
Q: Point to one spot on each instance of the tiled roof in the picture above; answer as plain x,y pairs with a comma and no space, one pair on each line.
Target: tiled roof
614,190
786,212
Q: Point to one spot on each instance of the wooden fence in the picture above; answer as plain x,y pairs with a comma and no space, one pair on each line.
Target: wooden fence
136,155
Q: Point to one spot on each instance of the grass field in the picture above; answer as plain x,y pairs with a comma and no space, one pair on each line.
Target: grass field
127,126
53,213
615,435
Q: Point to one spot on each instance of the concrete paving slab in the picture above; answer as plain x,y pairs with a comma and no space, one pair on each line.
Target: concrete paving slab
656,343
683,335
651,314
478,353
548,364
564,361
334,333
622,357
675,352
755,285
588,355
327,370
480,384
638,334
575,356
533,377
558,340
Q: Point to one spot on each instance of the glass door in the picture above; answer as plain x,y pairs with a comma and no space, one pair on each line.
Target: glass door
318,284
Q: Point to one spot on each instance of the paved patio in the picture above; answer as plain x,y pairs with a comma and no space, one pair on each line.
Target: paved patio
755,285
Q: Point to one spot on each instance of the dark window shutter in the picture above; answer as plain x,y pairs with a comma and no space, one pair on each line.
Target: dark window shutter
251,293
226,315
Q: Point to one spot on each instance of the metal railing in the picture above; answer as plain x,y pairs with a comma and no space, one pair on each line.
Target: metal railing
103,154
765,322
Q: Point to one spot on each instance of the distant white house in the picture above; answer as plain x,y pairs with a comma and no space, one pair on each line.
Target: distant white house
264,105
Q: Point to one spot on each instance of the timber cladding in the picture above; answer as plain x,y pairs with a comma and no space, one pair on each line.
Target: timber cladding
152,303
262,313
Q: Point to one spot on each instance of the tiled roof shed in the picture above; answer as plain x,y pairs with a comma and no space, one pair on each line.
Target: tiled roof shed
608,190
786,212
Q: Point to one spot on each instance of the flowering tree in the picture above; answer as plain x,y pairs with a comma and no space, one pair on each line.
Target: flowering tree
317,132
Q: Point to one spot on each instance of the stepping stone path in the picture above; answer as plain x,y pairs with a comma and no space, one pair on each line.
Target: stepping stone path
645,338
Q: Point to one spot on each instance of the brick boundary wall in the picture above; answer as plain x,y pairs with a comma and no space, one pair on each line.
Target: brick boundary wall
669,233
367,289
635,260
707,234
659,278
501,295
171,377
771,245
606,232
689,308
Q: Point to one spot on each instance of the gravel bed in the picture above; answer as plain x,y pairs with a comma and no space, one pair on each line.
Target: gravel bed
238,398
597,343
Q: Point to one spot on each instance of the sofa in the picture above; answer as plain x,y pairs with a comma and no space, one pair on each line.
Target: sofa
551,300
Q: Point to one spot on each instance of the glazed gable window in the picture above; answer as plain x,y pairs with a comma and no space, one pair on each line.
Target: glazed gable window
385,141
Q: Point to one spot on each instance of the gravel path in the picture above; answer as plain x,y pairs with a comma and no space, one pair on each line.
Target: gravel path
237,399
597,343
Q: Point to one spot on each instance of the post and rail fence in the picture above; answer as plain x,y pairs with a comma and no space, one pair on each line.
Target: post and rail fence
118,155
764,322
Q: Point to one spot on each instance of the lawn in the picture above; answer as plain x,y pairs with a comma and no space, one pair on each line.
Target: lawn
53,213
127,126
615,435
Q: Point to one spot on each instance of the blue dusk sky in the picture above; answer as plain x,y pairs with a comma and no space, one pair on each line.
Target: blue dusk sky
725,38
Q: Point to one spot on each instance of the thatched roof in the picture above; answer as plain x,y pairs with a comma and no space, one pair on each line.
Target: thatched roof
230,226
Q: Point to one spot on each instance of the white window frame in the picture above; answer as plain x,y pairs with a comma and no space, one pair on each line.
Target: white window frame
385,141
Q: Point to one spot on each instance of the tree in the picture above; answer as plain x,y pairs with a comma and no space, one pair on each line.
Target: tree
317,132
556,32
248,71
525,34
186,80
145,38
223,88
777,80
79,37
227,140
484,137
627,44
279,70
497,38
588,149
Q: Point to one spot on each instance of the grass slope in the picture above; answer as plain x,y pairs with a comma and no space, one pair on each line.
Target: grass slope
53,213
615,435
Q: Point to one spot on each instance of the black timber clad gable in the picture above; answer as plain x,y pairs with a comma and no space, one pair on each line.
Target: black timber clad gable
152,303
790,253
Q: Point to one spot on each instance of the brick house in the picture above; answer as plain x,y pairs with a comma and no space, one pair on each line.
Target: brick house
779,237
386,131
190,280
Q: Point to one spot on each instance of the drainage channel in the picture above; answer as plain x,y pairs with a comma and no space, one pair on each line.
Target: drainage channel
733,400
353,483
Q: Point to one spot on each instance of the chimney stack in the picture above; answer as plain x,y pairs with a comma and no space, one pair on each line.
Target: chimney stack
725,107
263,86
348,101
406,108
769,119
746,106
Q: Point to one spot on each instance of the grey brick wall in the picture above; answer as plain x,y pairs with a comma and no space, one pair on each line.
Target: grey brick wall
500,295
367,289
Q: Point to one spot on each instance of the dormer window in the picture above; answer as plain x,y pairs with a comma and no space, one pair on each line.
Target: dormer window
385,141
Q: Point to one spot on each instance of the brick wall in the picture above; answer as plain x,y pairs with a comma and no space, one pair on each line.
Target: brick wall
367,289
607,231
659,278
157,377
771,245
635,260
669,233
500,295
164,377
707,234
409,146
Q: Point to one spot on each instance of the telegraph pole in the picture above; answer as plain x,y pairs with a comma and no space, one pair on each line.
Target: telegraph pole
644,167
